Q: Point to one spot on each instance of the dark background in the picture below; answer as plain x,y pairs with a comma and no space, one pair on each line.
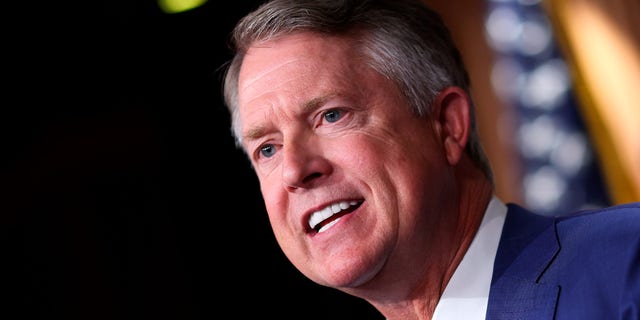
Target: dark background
123,196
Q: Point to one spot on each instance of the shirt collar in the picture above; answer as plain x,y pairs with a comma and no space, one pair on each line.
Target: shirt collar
467,293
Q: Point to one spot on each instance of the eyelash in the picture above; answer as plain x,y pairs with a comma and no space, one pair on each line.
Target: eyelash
270,147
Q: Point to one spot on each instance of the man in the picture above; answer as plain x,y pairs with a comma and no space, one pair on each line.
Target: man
358,121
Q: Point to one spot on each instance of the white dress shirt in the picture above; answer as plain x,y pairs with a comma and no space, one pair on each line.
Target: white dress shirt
467,292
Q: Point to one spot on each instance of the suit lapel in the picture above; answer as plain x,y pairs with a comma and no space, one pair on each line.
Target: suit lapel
527,246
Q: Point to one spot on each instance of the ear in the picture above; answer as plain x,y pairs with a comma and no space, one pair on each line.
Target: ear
452,111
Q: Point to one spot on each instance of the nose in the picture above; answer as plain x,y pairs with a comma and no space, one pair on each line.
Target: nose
304,165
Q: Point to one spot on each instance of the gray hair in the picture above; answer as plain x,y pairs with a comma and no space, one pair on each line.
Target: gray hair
403,40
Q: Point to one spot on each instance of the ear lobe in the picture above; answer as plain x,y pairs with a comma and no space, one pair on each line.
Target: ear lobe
454,109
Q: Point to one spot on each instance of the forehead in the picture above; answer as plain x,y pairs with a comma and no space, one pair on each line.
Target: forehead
298,54
298,68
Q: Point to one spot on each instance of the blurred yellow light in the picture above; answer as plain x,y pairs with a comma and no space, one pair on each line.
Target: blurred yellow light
606,63
176,6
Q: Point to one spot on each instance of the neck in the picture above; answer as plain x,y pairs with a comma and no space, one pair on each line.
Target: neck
448,245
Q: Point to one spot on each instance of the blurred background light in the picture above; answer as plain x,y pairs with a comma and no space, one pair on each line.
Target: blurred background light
559,171
177,6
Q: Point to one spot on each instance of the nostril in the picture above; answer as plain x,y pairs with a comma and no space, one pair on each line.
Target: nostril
305,183
311,177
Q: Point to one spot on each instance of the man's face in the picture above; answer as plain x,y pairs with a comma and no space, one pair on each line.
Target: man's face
351,179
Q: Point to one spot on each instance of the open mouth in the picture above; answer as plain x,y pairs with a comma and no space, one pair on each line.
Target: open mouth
323,219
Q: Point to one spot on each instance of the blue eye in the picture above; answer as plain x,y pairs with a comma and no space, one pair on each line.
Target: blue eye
332,115
267,150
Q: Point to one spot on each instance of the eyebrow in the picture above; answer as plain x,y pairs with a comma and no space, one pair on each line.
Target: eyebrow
309,106
254,133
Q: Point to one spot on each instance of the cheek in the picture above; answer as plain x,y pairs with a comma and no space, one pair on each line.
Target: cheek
359,150
375,154
280,226
275,201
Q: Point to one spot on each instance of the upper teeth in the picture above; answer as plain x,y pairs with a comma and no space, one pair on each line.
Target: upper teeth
329,211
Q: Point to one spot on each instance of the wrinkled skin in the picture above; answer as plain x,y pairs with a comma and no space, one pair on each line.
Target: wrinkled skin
320,127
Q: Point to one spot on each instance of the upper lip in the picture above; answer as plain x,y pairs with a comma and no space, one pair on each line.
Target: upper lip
315,216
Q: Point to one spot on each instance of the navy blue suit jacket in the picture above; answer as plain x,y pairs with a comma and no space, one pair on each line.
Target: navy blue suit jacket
578,267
